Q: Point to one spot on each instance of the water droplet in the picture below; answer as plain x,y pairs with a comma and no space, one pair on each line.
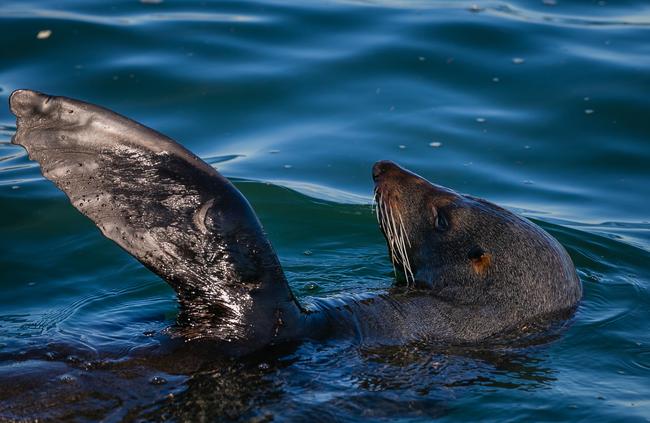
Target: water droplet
149,333
312,286
158,380
402,146
422,58
15,187
435,144
287,166
549,2
72,359
43,34
67,379
586,99
526,147
518,60
263,366
495,79
481,120
589,111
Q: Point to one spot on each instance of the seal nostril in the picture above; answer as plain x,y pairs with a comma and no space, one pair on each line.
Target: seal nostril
380,167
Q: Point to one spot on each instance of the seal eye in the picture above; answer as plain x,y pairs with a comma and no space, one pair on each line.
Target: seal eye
441,223
475,253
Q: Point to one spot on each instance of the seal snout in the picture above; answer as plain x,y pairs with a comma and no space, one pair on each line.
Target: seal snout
25,102
383,167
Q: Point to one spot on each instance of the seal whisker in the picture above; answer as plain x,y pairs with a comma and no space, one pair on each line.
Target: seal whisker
404,257
404,230
396,235
383,221
399,246
377,205
394,249
405,261
391,234
382,217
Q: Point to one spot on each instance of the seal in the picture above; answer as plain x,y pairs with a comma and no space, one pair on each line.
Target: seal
471,269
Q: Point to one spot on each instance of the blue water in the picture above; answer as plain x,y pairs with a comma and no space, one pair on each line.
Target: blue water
542,107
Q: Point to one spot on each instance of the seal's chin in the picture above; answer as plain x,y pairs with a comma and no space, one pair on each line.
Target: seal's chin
421,283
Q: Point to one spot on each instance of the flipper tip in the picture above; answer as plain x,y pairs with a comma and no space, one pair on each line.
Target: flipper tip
23,102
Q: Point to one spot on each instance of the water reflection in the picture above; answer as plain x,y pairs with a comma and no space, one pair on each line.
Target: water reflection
186,381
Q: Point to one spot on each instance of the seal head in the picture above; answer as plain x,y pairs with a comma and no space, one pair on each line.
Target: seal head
469,251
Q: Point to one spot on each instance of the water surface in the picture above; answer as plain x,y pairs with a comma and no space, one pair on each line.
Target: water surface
542,107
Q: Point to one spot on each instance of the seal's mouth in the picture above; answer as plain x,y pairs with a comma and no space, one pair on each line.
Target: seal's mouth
390,217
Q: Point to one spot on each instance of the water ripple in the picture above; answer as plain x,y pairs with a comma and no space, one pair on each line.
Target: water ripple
131,19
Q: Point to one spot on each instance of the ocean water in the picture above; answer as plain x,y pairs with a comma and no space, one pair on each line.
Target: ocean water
542,107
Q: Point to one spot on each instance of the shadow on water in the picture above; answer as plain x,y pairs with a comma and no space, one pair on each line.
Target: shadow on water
188,382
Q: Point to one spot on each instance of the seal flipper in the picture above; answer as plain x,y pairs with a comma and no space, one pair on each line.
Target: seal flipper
165,206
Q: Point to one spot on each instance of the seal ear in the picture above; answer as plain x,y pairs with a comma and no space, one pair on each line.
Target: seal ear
480,259
165,206
440,221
